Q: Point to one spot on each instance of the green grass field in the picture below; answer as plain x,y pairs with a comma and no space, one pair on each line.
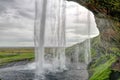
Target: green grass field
8,55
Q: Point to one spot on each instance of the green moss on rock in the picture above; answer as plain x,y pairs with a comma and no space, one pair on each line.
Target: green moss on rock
102,71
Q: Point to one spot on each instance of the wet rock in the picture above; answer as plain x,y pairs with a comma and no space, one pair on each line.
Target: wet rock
30,75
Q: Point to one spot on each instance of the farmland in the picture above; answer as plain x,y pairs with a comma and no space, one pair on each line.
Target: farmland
13,54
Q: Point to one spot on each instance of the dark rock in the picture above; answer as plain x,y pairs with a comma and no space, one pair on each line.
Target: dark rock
116,65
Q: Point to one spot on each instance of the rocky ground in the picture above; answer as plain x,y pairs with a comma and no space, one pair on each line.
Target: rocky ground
29,75
19,72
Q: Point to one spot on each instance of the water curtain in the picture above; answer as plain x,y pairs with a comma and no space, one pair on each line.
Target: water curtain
50,39
50,35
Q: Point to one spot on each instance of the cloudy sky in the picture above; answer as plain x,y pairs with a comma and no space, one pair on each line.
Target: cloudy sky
17,23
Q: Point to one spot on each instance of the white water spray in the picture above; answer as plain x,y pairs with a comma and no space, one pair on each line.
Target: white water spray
50,42
50,35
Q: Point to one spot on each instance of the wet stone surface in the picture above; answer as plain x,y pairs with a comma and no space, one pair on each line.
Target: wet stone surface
22,72
29,75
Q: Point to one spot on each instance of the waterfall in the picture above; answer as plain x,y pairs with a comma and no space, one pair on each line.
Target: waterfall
87,41
50,38
50,35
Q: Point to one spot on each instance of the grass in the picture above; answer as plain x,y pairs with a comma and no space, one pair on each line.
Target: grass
8,55
102,71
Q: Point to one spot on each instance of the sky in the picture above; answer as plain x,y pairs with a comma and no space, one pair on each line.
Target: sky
17,23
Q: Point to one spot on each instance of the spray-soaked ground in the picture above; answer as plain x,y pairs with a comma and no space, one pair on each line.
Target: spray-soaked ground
22,73
76,66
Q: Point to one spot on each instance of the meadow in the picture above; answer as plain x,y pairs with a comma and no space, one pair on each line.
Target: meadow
12,54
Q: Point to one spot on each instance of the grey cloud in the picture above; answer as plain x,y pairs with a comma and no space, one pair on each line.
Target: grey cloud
26,11
4,4
27,14
2,8
16,23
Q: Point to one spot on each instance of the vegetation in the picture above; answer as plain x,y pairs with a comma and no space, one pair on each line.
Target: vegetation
108,43
103,58
109,7
15,54
102,70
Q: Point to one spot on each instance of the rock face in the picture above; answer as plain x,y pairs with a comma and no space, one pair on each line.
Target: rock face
107,44
116,65
108,41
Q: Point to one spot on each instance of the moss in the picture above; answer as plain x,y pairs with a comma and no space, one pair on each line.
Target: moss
108,7
102,71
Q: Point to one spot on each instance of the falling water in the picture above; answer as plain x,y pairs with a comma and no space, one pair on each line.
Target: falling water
50,35
81,55
50,26
87,42
39,34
